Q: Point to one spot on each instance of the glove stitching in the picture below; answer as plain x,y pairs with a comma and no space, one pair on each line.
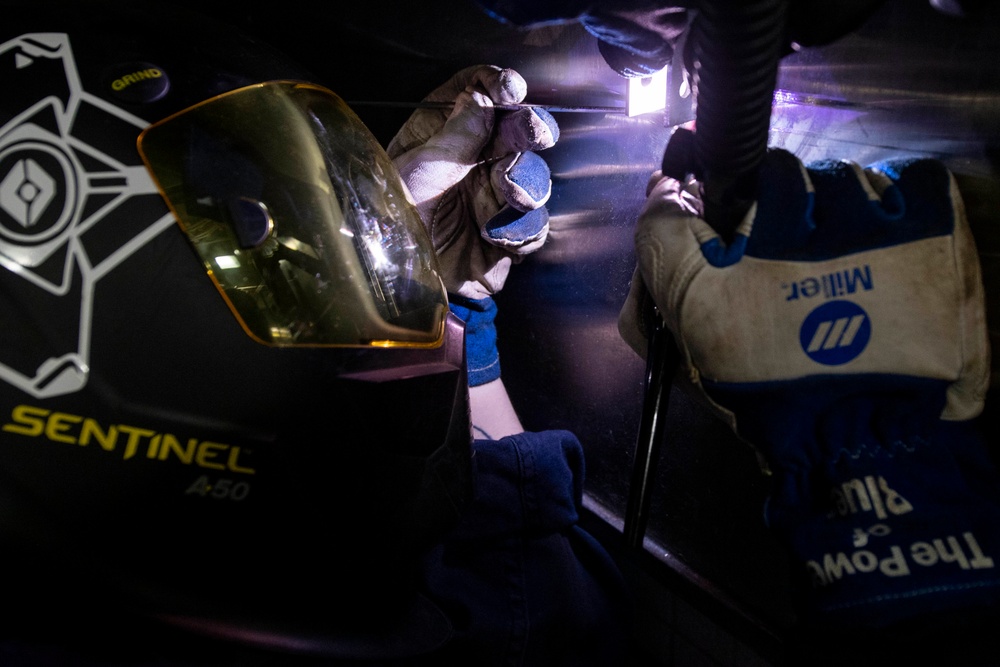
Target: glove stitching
687,270
492,364
442,242
872,450
911,594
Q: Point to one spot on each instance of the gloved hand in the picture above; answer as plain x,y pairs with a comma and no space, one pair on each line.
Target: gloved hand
637,38
481,191
479,187
842,334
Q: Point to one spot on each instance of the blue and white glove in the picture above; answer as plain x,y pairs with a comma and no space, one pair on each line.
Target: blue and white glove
843,335
481,191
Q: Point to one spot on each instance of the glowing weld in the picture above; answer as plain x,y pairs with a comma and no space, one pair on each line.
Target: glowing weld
647,94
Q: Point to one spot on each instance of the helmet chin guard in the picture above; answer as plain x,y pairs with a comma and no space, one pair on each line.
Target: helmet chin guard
258,454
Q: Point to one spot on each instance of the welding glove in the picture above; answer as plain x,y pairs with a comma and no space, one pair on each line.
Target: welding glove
480,189
637,38
842,334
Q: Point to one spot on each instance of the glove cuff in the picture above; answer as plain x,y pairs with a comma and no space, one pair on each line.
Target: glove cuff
481,355
906,532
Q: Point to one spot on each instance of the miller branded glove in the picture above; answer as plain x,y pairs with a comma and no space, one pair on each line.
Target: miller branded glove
842,333
480,189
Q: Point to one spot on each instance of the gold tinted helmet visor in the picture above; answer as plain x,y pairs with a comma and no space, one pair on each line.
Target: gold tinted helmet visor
300,218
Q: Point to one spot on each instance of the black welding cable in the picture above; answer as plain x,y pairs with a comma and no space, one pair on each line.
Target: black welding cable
737,47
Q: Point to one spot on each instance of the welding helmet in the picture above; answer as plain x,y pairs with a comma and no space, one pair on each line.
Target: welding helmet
231,393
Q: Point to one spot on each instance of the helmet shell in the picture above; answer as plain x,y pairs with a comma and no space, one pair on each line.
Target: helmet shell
192,472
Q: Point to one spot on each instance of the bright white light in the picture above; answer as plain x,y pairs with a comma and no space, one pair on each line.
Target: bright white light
645,95
377,254
227,262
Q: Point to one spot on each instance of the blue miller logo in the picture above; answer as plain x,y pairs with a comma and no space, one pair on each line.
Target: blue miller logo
835,333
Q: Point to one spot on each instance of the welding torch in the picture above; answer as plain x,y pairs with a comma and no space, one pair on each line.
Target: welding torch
737,47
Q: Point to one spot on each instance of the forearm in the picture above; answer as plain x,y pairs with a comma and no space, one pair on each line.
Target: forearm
493,415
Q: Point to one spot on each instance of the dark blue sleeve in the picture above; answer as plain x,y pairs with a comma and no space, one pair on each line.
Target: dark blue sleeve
523,583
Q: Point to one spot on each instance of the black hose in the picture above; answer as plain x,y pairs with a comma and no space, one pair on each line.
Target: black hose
737,46
737,49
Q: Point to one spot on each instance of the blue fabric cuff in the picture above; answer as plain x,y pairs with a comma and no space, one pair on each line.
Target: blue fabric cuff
481,355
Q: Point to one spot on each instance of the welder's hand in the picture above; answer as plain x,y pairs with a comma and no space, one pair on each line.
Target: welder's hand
481,190
636,38
842,334
479,185
639,37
